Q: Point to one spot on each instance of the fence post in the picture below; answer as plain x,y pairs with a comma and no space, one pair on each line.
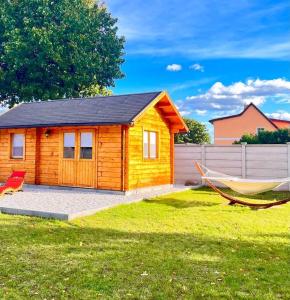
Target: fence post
244,162
288,152
203,161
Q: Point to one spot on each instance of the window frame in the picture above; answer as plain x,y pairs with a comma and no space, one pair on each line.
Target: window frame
149,158
75,145
80,145
11,135
258,129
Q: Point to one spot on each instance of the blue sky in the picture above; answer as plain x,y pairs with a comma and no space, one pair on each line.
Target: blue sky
211,56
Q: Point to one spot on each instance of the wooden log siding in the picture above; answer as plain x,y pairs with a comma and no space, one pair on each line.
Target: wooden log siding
257,161
42,155
119,156
109,157
149,172
47,167
8,164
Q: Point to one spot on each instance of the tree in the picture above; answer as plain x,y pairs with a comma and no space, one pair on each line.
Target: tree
280,136
57,48
197,134
248,138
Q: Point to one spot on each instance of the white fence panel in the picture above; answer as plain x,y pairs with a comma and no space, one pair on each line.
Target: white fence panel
268,165
247,161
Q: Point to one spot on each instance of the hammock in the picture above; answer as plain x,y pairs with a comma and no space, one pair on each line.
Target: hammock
242,186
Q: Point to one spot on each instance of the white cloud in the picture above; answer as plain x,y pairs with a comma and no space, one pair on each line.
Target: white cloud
197,67
221,100
190,83
283,99
282,115
174,68
201,112
233,97
185,112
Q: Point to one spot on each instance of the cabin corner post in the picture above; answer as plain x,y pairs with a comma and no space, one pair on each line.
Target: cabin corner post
172,135
288,154
37,155
125,158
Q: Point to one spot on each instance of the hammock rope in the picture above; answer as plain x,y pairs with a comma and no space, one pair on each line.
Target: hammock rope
232,200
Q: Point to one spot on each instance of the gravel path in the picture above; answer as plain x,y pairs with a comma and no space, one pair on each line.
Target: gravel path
67,204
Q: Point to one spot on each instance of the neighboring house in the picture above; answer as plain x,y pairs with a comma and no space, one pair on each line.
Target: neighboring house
116,143
251,120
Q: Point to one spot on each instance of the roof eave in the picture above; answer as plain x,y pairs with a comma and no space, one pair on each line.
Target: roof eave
65,125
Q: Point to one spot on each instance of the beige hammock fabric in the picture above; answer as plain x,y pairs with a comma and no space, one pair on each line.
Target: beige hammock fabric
244,186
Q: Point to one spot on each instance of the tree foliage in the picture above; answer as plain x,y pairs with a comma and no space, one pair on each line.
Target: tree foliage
57,48
281,136
197,134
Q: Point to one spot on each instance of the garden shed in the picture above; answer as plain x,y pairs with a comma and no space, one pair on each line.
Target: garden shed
118,143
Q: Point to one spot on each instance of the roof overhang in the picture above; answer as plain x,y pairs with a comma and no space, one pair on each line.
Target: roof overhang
65,125
169,112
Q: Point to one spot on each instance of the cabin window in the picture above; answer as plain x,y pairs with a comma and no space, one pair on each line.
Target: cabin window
69,145
153,144
86,150
17,145
145,144
149,144
260,129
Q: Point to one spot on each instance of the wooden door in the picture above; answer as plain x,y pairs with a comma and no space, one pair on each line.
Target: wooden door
68,162
86,163
78,158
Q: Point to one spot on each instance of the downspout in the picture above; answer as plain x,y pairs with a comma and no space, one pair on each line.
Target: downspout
125,156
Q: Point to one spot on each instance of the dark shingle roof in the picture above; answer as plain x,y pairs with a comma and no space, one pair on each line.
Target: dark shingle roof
86,111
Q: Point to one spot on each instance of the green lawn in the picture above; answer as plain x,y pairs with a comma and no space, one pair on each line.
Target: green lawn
188,245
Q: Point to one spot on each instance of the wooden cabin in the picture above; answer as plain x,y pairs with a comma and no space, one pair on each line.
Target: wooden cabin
118,143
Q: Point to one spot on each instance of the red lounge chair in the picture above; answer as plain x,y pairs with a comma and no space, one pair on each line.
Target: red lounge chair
14,183
18,174
3,190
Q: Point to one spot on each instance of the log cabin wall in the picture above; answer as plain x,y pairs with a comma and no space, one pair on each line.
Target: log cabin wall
149,172
115,146
47,170
8,164
43,154
109,158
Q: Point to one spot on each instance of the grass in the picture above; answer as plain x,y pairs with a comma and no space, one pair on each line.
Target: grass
188,245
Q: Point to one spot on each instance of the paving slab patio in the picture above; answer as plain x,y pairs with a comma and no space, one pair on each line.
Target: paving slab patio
68,204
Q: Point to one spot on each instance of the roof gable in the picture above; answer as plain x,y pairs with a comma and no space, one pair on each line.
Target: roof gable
170,113
243,112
